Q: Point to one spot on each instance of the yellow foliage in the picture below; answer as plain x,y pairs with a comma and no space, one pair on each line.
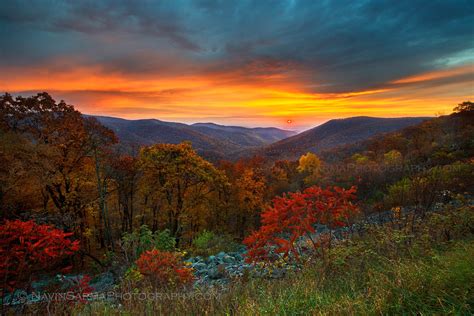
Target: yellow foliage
311,165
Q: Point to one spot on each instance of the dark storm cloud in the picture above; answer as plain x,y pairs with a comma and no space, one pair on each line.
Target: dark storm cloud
337,45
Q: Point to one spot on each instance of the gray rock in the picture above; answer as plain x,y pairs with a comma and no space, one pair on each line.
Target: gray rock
199,266
103,282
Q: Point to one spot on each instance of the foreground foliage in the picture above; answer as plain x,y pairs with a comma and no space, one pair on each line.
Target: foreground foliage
400,268
294,215
27,247
164,268
121,202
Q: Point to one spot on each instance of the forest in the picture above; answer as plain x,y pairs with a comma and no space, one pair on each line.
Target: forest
84,214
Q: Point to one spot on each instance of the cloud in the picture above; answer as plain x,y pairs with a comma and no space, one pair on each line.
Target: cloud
345,44
218,53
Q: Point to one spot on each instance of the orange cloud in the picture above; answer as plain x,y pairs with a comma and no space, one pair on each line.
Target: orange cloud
263,94
443,73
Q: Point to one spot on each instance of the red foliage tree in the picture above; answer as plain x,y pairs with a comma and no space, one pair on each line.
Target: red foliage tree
164,268
27,247
294,215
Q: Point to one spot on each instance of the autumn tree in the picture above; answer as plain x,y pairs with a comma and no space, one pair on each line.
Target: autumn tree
283,177
250,191
62,156
177,181
99,138
125,174
311,166
244,199
293,216
392,157
20,189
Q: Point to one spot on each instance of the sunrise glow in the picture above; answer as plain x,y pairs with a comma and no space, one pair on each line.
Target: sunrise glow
124,73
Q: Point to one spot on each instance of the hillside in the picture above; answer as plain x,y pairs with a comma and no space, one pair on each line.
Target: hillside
247,137
211,140
336,133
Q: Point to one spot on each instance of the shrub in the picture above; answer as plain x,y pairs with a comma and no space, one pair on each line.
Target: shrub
80,289
426,188
164,269
143,239
27,248
202,240
293,216
208,243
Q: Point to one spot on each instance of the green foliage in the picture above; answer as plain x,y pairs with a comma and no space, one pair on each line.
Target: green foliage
202,240
208,243
425,188
143,239
359,158
398,193
392,157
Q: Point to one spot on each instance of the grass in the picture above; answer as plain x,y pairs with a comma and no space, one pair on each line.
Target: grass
441,284
369,284
387,271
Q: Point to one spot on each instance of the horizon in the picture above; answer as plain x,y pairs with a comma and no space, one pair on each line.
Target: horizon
290,64
298,131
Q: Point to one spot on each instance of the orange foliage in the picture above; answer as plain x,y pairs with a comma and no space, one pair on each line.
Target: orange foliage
293,216
164,268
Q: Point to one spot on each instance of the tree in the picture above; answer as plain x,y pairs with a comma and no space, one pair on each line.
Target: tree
464,107
393,157
360,159
65,150
250,190
293,216
282,177
244,198
99,138
176,181
124,171
310,164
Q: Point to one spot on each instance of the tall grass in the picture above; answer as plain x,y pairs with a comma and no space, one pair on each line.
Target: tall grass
423,269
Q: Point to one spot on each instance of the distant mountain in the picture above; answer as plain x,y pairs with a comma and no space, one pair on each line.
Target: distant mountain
335,133
242,136
210,140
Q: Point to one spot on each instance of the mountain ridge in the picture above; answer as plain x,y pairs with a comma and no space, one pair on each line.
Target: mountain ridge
215,141
334,133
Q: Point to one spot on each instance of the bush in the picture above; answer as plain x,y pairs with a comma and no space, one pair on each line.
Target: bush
27,248
143,239
164,269
426,188
293,216
208,243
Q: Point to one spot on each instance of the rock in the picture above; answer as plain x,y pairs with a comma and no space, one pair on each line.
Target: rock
228,259
278,273
199,266
103,282
215,273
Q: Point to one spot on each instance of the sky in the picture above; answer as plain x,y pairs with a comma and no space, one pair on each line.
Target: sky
291,64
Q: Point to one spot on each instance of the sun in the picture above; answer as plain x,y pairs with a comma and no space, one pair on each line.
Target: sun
289,121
